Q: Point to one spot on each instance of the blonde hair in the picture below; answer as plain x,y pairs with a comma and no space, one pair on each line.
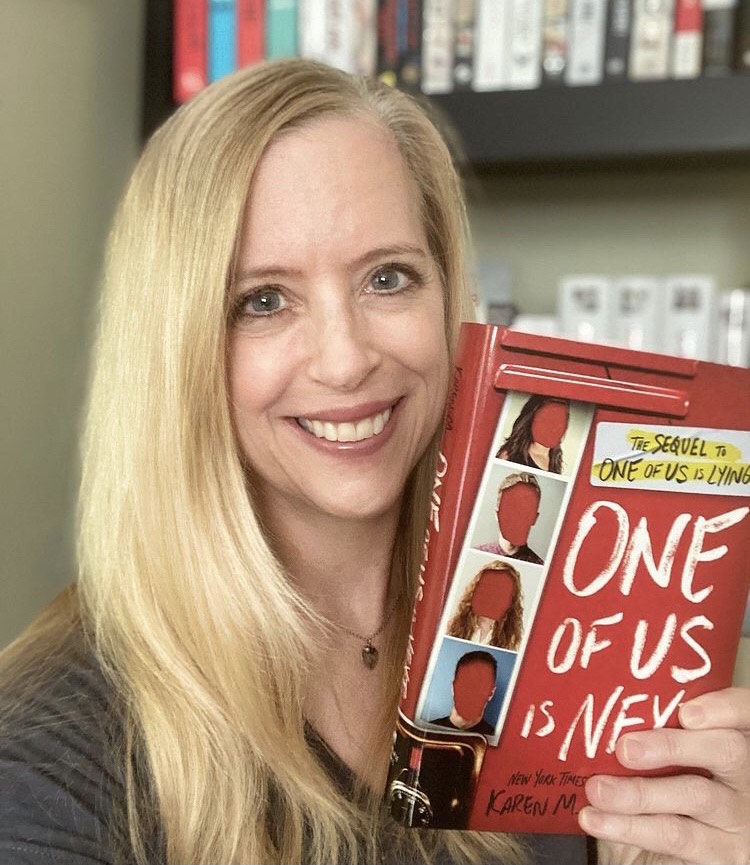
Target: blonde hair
181,594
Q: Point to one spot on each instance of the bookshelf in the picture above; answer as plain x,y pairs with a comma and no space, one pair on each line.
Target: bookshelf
703,118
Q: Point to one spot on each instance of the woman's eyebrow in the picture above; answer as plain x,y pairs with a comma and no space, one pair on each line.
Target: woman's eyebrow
278,271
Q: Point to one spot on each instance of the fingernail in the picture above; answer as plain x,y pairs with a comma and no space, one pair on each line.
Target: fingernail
633,750
691,715
591,820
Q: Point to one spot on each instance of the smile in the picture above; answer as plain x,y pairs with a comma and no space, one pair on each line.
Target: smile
347,432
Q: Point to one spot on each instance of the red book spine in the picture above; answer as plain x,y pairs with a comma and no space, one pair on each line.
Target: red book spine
250,31
190,53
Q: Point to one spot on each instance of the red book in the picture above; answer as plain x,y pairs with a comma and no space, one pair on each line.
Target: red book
250,31
585,572
190,48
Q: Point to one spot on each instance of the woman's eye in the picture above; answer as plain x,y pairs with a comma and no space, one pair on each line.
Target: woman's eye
390,279
264,302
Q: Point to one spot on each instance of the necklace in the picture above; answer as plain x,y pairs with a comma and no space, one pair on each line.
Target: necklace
369,653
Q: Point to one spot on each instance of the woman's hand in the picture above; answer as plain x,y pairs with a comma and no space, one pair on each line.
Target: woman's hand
684,818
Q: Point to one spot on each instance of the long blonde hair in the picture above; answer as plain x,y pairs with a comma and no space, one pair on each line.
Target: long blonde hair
180,592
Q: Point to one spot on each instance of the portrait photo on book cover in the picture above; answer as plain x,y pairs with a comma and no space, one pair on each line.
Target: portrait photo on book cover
491,601
542,432
517,514
467,688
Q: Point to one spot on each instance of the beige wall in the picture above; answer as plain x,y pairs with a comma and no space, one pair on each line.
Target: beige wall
69,91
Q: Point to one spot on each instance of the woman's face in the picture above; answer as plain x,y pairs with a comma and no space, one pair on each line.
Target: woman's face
338,358
550,423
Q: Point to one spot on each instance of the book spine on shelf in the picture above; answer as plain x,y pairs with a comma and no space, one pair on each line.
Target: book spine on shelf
588,21
190,54
742,41
718,36
463,53
734,327
438,46
340,35
690,315
250,32
222,38
490,40
525,44
365,26
388,41
312,18
637,312
653,22
617,45
281,29
585,307
410,54
687,40
554,41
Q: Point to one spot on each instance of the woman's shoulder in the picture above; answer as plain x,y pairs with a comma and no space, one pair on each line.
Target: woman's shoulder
59,740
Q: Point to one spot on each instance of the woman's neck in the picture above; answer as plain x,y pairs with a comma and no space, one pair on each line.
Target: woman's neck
540,455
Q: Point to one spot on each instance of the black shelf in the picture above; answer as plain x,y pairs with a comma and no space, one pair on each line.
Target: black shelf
661,121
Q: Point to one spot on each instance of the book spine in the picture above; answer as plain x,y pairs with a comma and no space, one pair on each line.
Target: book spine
339,34
687,41
312,29
410,59
281,29
742,42
222,38
490,67
438,43
463,57
250,27
718,36
588,21
466,442
365,37
190,48
554,41
617,46
525,44
652,35
388,41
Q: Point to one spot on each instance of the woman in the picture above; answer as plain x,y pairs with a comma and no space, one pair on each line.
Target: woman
490,610
283,286
537,434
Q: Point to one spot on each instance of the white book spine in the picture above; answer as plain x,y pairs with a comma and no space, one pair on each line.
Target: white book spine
690,319
490,56
585,307
652,36
524,43
340,34
365,37
734,329
438,46
637,312
588,21
312,29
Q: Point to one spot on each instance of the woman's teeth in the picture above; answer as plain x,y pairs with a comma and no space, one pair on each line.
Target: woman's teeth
347,432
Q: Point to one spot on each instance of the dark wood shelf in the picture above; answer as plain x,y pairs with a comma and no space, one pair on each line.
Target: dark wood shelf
661,121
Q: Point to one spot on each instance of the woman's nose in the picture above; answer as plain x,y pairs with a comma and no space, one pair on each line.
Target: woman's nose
343,351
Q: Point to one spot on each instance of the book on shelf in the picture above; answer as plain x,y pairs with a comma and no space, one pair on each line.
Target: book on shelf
734,327
250,32
464,17
689,320
586,34
687,39
438,46
281,31
585,307
190,48
719,18
222,38
524,44
490,45
637,312
617,41
742,39
585,572
554,41
651,40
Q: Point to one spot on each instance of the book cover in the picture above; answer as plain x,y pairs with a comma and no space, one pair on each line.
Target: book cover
690,315
222,38
617,44
190,58
734,327
281,29
438,46
637,312
585,571
554,41
687,40
250,32
585,307
742,38
490,54
524,45
718,36
588,21
653,23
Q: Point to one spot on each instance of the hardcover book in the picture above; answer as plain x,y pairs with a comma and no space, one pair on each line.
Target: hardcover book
190,51
585,572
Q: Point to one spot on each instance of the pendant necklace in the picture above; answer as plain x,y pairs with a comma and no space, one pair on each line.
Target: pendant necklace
369,653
